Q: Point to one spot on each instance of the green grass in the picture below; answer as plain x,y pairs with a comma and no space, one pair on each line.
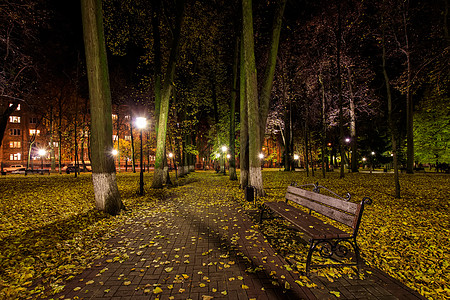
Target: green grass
47,222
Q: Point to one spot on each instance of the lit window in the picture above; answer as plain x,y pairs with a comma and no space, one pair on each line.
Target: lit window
114,117
14,119
127,117
14,144
55,144
35,132
114,137
128,138
15,156
14,131
18,106
33,120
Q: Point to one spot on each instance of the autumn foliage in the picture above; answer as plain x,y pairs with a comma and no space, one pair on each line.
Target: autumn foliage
50,231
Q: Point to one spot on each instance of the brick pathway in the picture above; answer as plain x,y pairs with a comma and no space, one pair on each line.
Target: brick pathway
201,245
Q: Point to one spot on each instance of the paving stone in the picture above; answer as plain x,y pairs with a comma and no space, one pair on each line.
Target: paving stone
189,248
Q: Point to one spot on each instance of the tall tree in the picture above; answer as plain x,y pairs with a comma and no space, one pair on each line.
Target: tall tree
390,120
232,145
166,91
269,71
107,197
243,134
251,95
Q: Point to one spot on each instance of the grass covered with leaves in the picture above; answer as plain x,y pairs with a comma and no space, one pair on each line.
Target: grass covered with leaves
50,231
407,238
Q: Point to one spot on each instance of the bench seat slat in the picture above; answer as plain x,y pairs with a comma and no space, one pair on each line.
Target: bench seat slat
332,213
349,207
312,226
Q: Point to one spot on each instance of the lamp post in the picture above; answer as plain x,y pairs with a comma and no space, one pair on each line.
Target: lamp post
114,152
141,123
218,162
261,157
42,153
224,149
296,157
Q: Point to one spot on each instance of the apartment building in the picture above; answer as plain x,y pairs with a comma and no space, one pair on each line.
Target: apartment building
24,135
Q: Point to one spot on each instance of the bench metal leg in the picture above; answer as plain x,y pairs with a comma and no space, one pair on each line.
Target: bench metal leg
261,215
312,246
358,258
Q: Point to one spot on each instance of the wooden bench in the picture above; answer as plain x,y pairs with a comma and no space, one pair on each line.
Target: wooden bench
330,241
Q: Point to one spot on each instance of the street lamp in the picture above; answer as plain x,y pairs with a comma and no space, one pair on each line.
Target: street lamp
141,123
296,157
224,149
114,152
42,153
170,157
261,157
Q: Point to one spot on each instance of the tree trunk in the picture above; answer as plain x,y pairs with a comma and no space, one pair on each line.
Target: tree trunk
52,146
60,134
270,68
107,197
341,118
390,121
77,168
243,135
353,142
133,158
251,92
324,128
158,177
232,146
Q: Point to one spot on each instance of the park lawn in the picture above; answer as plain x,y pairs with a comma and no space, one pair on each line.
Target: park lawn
47,223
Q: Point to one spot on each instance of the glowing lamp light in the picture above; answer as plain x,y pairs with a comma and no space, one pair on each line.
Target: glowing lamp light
261,155
228,156
364,159
42,152
115,152
170,154
141,122
217,155
347,140
296,157
224,148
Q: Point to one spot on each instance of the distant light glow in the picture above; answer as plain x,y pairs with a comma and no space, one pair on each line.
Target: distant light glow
261,155
170,154
296,157
115,152
141,122
224,148
42,152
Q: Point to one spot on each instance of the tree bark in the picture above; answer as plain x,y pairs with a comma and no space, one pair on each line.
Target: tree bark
158,178
251,92
232,145
107,197
339,80
270,68
133,158
243,135
353,142
390,121
324,128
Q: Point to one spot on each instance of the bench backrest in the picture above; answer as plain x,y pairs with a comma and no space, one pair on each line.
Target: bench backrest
344,212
